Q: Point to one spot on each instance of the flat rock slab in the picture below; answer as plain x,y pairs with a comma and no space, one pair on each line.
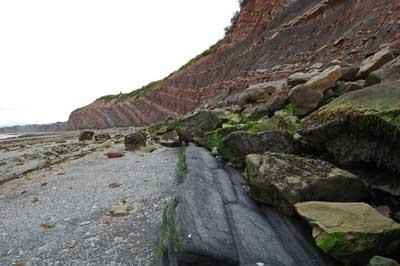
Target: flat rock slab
75,207
213,221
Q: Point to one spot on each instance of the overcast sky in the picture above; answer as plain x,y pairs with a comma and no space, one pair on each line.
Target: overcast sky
56,56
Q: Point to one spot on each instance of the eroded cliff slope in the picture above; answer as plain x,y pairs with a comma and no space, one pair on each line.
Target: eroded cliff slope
270,40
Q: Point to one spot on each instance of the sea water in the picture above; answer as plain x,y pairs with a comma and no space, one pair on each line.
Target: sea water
6,136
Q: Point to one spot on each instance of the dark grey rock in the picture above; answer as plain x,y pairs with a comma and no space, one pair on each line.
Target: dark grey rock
193,127
86,135
237,145
135,140
214,222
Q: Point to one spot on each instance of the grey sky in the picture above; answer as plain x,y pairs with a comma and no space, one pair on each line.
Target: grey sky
56,56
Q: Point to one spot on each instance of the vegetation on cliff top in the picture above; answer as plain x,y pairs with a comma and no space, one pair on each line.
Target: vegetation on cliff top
136,93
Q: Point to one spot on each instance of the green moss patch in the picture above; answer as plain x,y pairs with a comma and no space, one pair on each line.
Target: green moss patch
333,243
181,167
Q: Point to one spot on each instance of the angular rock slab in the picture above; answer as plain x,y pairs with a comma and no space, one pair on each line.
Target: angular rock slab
390,71
283,180
237,145
360,127
308,96
214,222
376,61
261,92
196,125
351,232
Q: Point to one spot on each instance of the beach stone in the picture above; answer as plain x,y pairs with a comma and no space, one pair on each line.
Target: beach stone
121,209
102,137
376,61
135,140
381,261
115,155
283,180
351,232
86,135
307,97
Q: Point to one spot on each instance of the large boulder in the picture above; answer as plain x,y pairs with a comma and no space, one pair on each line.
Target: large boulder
194,126
308,96
135,140
283,180
377,60
86,135
261,92
351,232
360,128
237,145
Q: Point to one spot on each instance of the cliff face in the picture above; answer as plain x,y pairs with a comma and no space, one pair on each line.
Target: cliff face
270,40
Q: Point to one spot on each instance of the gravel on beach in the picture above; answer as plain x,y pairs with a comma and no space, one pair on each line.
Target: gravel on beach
66,221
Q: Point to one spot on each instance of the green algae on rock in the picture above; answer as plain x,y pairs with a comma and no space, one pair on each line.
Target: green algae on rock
359,127
193,127
351,232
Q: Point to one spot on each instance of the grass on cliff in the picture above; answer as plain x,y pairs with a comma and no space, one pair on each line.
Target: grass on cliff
152,85
209,51
136,93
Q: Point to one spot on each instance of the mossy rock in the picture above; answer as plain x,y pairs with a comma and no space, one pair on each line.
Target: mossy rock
135,140
281,121
282,180
237,145
360,127
196,125
351,232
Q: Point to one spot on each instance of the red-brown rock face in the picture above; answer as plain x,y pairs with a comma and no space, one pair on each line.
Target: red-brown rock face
271,40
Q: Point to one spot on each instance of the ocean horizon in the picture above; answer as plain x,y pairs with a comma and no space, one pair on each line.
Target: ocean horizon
11,135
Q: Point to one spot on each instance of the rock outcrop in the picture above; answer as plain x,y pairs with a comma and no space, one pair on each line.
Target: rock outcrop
212,221
269,41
